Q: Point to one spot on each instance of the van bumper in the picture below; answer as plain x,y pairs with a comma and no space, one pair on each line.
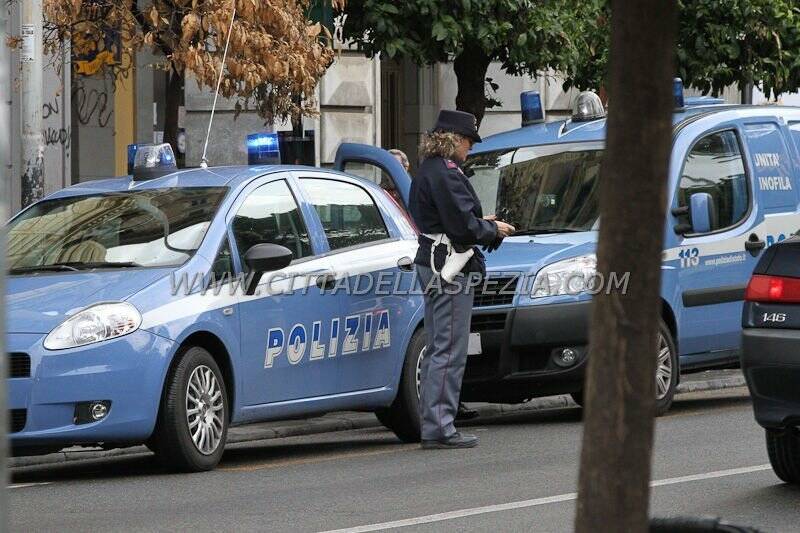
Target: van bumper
771,367
519,349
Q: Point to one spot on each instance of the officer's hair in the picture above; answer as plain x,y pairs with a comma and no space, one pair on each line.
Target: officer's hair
441,144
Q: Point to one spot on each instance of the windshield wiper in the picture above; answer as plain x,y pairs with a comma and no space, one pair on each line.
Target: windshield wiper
74,266
539,230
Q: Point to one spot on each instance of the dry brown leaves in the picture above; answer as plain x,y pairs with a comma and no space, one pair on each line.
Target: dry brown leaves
275,53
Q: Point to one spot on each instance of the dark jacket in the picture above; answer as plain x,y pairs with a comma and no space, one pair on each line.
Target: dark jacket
442,200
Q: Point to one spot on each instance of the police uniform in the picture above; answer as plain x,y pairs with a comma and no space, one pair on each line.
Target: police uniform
442,201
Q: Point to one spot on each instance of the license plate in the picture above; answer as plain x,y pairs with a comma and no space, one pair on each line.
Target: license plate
474,344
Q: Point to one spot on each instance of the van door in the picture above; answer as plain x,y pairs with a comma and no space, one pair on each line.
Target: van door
714,266
376,165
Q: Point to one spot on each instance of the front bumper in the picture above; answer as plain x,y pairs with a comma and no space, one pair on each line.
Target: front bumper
771,366
518,344
128,372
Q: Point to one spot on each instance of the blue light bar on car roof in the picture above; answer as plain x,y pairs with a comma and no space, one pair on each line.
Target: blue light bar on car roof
677,93
151,161
532,109
263,149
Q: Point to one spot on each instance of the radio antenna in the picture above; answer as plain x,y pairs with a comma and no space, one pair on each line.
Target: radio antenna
203,160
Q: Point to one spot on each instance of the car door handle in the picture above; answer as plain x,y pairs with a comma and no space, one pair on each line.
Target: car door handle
754,245
326,280
405,263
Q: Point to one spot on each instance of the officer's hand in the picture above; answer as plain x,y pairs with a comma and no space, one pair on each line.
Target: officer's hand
504,229
490,217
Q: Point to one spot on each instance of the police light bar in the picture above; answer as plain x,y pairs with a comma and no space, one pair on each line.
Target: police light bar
263,149
132,149
152,161
588,106
531,105
677,93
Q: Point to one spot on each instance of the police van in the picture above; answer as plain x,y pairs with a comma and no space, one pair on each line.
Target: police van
164,307
732,191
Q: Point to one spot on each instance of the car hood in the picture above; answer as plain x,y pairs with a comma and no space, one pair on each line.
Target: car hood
38,303
529,254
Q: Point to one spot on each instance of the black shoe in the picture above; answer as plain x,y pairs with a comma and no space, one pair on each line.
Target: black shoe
465,413
456,440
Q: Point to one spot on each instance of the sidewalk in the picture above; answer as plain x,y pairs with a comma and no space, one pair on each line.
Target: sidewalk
703,381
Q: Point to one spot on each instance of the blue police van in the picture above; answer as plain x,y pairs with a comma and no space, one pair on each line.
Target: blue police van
164,307
732,191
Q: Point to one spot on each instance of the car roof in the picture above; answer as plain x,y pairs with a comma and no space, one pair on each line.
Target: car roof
228,176
564,131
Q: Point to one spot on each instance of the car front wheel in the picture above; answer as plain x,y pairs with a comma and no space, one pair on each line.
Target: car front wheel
192,424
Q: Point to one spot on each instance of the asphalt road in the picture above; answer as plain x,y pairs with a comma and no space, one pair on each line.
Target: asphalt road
709,460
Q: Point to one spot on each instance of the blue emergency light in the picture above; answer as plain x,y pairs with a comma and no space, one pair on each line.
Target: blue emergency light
263,149
531,105
132,149
677,93
151,161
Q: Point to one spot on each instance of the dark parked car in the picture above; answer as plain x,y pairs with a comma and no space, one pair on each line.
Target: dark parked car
771,353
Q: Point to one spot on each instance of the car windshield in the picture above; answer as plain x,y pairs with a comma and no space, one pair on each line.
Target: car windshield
540,189
148,228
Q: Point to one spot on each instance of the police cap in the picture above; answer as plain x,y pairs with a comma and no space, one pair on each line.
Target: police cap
459,122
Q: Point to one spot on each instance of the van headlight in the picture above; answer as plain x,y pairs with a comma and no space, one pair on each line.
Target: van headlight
97,323
570,276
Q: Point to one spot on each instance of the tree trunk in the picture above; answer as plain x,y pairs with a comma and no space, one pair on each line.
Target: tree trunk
470,67
173,102
614,476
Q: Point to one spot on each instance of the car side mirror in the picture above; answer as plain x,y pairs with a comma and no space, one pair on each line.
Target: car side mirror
701,212
262,258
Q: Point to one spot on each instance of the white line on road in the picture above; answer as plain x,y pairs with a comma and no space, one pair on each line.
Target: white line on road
536,502
24,485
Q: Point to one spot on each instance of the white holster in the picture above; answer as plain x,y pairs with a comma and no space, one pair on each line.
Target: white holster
454,261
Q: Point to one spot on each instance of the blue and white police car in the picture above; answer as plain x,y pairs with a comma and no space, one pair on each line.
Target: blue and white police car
163,307
733,190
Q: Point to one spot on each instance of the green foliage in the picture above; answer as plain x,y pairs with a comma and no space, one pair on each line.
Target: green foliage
720,43
527,36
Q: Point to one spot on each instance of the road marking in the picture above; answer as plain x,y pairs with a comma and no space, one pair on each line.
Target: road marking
310,460
570,496
25,485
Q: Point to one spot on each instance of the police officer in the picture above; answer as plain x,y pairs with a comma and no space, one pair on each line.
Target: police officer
448,214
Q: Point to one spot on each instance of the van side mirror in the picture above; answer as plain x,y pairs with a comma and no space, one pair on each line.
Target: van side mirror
262,258
701,212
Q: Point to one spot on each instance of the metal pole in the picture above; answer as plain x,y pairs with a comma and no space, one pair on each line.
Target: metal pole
32,65
5,208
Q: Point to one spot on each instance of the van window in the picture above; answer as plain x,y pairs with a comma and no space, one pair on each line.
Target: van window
270,215
715,166
348,214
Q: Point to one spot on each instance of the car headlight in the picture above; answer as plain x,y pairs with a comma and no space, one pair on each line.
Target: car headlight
570,276
94,324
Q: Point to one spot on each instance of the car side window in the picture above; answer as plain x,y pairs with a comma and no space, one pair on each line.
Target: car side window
349,215
376,175
270,215
715,166
222,268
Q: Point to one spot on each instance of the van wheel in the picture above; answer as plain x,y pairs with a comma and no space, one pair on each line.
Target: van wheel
192,423
667,369
783,448
667,372
402,417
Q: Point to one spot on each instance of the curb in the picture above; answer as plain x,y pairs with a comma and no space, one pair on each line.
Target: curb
344,422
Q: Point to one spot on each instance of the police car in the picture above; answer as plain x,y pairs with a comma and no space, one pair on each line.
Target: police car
733,190
771,341
164,307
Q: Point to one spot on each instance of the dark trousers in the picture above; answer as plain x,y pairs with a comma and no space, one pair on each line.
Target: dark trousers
447,320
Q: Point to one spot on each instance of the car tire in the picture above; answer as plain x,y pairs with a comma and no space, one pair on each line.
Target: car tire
402,417
783,448
192,439
669,383
667,369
